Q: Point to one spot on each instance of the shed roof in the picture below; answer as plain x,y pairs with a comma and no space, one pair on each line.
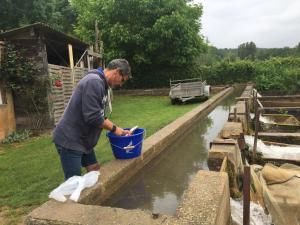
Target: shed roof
46,29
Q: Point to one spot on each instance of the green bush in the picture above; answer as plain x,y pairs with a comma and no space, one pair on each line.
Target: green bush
225,72
18,136
278,74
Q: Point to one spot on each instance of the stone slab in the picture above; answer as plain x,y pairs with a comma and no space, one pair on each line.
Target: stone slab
231,130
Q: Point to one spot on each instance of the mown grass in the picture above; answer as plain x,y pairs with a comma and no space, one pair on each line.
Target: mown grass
30,170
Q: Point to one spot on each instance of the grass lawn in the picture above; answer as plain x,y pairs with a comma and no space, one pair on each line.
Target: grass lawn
30,170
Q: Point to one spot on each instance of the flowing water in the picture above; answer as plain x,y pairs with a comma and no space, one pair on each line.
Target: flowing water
160,185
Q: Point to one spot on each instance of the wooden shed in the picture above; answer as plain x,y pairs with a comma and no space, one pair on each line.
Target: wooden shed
56,54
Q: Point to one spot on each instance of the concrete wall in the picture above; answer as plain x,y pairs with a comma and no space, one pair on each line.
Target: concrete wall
158,91
7,116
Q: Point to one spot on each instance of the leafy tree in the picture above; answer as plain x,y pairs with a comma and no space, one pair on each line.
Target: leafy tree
247,50
158,37
298,49
16,13
267,53
63,17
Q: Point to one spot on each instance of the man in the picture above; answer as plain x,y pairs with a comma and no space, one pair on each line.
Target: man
79,129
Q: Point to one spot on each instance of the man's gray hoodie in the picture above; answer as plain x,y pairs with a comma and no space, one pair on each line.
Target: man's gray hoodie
79,127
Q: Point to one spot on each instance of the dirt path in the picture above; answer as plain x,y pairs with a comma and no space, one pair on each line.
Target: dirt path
7,218
3,219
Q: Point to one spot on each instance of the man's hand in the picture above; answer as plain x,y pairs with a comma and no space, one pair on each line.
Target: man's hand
120,132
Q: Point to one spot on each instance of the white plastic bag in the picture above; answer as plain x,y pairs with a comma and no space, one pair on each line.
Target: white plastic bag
73,186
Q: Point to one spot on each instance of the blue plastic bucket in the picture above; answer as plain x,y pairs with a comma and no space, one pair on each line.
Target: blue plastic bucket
127,147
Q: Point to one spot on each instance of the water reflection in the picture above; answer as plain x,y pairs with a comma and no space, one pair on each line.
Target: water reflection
160,185
228,102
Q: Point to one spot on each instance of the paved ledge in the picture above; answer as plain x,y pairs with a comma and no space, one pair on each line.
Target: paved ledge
206,201
56,213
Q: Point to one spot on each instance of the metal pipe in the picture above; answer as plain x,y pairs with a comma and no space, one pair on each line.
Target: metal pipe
246,195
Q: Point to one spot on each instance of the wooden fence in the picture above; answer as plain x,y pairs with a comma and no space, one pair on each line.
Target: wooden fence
59,96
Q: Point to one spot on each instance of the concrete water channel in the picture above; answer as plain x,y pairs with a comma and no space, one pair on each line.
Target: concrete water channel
159,186
173,162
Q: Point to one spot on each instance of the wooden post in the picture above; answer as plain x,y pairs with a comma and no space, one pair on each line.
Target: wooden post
257,113
81,64
88,61
90,57
235,114
253,101
246,196
96,37
71,59
247,114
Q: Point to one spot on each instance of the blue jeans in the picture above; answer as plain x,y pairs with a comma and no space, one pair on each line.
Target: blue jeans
72,160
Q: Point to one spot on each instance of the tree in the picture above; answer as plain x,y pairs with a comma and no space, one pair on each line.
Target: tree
153,35
298,49
247,50
16,13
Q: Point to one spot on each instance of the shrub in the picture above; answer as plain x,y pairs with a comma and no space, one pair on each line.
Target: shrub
278,74
25,79
18,136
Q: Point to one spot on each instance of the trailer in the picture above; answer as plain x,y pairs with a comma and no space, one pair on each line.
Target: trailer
188,89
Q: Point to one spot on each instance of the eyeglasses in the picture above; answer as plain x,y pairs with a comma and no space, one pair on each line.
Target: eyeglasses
122,75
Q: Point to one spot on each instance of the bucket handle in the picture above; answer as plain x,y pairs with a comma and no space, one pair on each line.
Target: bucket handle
129,148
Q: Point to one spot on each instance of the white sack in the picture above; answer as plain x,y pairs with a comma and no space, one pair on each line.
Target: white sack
73,186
